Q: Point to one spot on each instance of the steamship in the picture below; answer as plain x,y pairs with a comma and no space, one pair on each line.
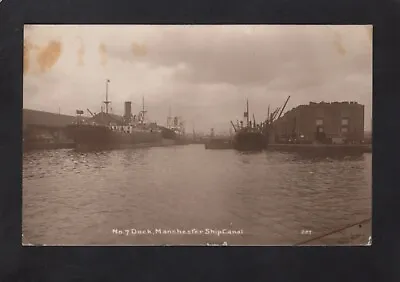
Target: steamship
253,136
108,131
250,137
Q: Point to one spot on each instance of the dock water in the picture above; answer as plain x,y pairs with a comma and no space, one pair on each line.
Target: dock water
272,197
72,145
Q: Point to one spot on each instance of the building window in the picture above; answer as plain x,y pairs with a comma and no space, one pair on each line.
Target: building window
319,122
345,121
344,130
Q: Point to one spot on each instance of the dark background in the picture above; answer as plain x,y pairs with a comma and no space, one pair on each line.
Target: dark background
377,263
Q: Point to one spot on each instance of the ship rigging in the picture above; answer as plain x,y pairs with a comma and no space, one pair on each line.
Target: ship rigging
253,136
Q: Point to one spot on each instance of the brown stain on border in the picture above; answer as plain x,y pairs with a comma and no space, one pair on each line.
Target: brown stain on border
29,47
81,53
103,54
49,55
139,49
338,44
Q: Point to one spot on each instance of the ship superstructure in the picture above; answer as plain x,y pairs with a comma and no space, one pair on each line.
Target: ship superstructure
106,130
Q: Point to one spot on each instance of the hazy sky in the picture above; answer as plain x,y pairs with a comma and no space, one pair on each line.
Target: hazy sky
204,73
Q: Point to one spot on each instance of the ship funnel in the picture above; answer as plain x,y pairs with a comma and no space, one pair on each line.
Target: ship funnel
128,109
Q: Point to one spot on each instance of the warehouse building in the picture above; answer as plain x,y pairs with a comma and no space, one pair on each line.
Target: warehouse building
45,119
337,122
44,126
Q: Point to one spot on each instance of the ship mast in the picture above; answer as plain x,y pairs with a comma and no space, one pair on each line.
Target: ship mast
143,111
169,118
106,102
247,112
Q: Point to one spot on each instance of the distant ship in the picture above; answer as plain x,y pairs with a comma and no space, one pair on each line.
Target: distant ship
105,130
175,129
218,143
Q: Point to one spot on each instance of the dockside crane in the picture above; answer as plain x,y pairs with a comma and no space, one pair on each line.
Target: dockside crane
274,115
283,108
234,128
90,113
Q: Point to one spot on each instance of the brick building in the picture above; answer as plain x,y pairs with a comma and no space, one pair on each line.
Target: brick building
335,122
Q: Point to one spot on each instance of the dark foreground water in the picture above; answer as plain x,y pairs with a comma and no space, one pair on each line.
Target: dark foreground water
154,195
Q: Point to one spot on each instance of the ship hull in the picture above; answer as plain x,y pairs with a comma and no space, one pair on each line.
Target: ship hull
101,137
249,141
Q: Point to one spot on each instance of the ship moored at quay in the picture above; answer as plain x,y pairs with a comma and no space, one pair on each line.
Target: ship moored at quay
107,131
103,130
336,127
249,136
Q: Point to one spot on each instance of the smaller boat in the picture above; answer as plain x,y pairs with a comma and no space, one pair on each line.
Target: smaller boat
218,143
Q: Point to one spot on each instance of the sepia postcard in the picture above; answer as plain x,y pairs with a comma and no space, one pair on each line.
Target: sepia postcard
209,135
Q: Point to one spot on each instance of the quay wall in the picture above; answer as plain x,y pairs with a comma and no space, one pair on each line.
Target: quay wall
322,148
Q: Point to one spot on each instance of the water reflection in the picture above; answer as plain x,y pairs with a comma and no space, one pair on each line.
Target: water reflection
328,156
78,198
